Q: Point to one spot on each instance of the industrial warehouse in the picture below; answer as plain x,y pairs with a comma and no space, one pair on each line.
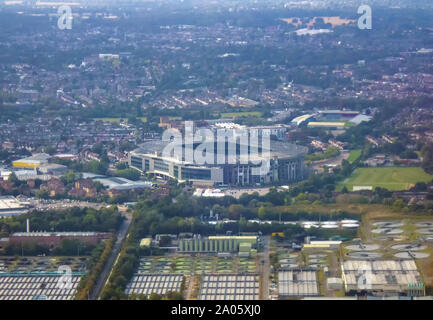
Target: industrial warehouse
285,164
10,206
382,277
297,283
219,244
225,267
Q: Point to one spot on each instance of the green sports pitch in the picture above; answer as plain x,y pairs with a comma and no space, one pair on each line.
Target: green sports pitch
391,178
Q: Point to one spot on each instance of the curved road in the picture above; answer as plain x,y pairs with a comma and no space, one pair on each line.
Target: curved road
317,165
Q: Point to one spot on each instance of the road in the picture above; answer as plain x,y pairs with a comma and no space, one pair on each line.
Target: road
265,267
318,165
112,259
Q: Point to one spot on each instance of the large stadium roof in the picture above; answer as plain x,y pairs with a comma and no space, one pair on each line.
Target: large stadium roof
299,120
277,149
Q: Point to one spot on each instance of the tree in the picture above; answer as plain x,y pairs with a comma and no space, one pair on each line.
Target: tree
98,148
137,296
130,174
398,204
218,210
173,295
409,154
14,179
42,194
50,150
261,213
235,211
70,177
420,186
155,296
121,165
97,167
427,157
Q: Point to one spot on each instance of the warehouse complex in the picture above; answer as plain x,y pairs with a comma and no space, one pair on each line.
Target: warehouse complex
285,164
54,239
34,161
382,277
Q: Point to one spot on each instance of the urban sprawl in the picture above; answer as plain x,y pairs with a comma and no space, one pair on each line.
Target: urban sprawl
336,203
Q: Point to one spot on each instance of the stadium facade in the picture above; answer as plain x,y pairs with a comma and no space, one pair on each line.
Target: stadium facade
285,164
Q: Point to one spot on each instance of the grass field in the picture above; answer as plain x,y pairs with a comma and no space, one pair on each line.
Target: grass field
393,178
240,114
354,155
117,120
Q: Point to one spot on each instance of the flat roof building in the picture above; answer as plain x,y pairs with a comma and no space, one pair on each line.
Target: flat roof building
218,244
322,244
54,239
297,283
116,183
382,277
32,162
10,206
53,169
145,242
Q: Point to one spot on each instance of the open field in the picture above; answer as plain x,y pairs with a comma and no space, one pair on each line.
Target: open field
393,178
117,120
354,155
240,114
332,208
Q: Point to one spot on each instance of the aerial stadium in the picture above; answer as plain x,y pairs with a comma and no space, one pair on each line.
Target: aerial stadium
285,165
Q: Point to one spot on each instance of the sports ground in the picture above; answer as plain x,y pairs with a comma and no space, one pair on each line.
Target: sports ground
392,178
